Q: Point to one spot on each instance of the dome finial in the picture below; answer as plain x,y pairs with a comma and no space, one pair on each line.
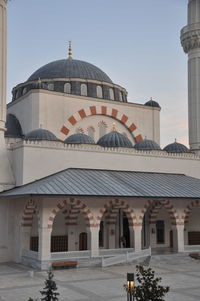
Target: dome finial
114,126
70,50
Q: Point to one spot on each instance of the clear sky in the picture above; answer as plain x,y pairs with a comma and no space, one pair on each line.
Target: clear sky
136,42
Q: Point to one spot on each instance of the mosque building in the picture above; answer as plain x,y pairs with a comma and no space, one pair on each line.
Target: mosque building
82,171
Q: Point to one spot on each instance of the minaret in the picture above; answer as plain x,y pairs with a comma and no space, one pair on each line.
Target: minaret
6,176
190,40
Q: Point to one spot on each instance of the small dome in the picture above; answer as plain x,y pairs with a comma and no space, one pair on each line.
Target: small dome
70,69
147,144
41,134
114,139
79,138
13,127
152,103
176,148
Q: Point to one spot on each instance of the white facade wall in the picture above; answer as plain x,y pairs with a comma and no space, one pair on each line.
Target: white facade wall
35,160
50,110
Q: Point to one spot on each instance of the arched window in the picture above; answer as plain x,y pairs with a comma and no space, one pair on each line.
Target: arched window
99,92
50,86
120,96
91,132
18,93
111,93
102,128
24,91
67,88
84,89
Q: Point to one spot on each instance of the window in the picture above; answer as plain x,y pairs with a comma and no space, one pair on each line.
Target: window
160,232
84,89
99,92
50,87
91,132
120,96
67,88
101,236
111,93
24,91
102,128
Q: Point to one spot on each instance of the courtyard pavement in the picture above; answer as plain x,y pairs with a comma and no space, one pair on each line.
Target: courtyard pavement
179,272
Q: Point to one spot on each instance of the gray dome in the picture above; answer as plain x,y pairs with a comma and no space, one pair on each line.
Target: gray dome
152,103
79,138
13,127
41,134
70,69
176,148
147,144
114,139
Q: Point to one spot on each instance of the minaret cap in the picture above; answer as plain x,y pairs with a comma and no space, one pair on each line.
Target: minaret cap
70,50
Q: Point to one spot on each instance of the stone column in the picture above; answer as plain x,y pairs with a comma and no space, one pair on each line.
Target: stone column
3,63
179,238
131,231
94,241
138,237
44,254
6,175
190,40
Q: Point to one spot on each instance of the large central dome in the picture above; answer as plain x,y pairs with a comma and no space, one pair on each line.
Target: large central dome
70,69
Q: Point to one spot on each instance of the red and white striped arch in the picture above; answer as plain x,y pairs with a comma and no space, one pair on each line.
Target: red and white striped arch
155,207
111,208
76,207
101,110
189,208
29,211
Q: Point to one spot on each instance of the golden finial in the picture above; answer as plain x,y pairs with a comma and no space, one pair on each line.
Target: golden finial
70,50
114,126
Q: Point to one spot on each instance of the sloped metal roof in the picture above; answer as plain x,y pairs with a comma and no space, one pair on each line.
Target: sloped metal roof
91,182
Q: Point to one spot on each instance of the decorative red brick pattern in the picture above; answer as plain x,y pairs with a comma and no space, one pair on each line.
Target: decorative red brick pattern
76,207
93,110
111,210
29,210
138,138
188,209
64,130
72,120
82,113
103,111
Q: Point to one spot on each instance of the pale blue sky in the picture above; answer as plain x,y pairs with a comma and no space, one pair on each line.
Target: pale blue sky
135,42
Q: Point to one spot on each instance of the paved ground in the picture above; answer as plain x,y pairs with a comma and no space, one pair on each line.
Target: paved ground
181,273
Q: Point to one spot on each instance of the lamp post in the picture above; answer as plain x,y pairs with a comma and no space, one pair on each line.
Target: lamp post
130,287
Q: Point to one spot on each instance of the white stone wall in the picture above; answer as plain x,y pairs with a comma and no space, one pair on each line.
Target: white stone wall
50,110
52,157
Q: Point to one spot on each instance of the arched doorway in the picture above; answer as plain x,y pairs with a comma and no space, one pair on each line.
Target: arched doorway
158,230
114,229
192,227
69,230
